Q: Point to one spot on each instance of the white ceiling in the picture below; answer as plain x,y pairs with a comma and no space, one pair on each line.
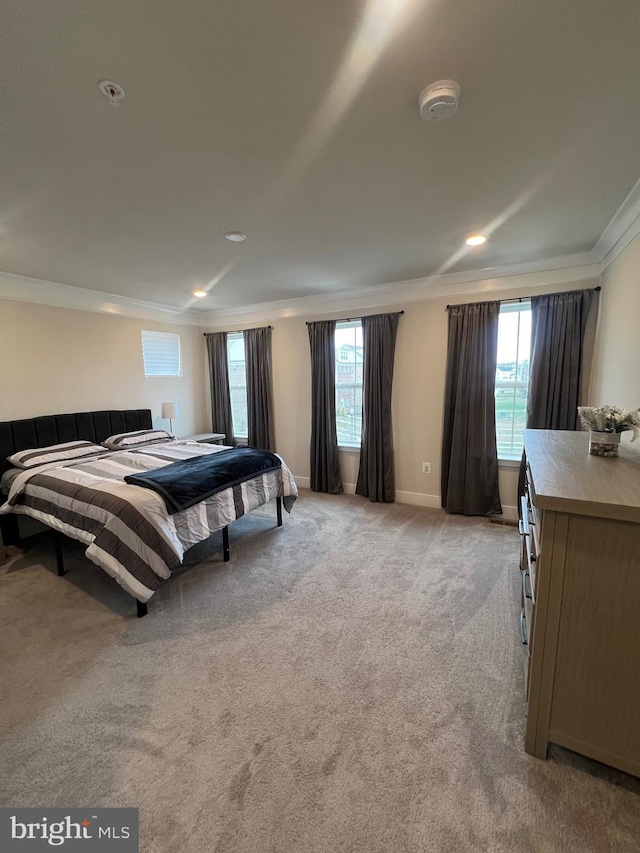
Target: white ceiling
296,121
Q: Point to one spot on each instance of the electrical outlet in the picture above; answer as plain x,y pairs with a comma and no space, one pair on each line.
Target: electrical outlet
426,467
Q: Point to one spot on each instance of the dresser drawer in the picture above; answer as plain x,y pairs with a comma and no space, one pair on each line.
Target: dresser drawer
527,604
534,514
526,659
532,564
524,629
529,554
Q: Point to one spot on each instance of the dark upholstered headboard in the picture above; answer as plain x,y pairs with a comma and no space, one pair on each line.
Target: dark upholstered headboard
53,429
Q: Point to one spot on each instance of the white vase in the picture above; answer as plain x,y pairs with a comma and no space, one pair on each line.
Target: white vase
604,443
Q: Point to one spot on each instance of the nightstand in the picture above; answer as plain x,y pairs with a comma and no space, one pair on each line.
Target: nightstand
206,437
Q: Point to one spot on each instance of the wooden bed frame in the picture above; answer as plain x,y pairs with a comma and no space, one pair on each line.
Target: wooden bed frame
90,426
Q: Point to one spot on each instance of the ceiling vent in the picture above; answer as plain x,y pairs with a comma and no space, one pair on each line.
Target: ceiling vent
439,100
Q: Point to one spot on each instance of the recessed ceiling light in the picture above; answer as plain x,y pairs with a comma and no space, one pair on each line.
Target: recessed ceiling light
112,91
235,236
199,293
476,240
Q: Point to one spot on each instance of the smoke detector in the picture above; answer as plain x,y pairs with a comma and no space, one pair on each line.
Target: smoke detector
439,100
112,91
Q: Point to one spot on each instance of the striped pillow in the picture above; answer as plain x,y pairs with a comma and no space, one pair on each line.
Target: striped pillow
68,450
138,438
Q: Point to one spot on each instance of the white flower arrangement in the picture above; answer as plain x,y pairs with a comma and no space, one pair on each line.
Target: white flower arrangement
610,419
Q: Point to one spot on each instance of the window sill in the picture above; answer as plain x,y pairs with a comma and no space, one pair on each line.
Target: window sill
508,463
343,448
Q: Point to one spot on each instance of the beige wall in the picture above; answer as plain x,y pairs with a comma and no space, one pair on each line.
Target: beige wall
616,371
418,395
57,360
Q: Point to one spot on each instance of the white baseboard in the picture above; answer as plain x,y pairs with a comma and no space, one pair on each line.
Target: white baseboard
418,499
305,483
509,513
414,498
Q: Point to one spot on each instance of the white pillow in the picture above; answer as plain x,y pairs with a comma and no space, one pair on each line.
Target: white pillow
138,438
68,450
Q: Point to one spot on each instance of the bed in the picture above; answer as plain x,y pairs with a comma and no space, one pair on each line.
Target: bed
128,530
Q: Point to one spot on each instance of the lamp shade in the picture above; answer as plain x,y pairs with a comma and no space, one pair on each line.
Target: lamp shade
170,411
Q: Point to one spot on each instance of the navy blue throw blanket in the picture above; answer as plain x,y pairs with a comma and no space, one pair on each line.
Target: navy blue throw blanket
183,484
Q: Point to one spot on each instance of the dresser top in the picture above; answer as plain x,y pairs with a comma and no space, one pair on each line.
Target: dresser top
567,478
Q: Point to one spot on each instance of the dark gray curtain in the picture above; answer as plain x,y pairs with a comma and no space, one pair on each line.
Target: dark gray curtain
469,481
376,475
558,323
221,420
325,464
257,352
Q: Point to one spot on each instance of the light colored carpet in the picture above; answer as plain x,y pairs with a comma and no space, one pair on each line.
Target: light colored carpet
350,682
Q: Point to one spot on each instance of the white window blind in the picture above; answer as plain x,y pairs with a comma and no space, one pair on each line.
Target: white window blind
161,353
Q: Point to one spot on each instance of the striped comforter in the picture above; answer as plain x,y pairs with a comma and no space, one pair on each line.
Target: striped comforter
127,528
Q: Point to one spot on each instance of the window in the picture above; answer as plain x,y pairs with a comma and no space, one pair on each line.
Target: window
237,384
512,377
349,383
161,353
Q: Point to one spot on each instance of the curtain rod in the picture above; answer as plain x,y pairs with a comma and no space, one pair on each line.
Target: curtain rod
349,319
237,331
526,298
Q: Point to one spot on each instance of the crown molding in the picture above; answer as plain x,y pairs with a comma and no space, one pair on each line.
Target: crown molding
621,231
554,271
557,271
24,289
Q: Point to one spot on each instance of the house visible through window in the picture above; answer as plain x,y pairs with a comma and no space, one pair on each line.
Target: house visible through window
237,384
161,353
512,377
349,383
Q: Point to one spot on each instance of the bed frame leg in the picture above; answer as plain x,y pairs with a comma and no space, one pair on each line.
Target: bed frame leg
10,530
279,511
225,543
57,544
142,608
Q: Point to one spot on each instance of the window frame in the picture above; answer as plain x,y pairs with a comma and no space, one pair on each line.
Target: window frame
231,337
518,307
173,353
338,362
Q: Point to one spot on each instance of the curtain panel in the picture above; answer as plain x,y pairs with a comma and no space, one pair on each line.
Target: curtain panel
257,350
376,479
469,479
221,420
558,324
324,460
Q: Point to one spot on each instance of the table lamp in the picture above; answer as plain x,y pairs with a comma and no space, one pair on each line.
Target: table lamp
169,412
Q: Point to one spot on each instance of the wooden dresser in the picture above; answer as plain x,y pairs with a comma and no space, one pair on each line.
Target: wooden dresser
580,620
